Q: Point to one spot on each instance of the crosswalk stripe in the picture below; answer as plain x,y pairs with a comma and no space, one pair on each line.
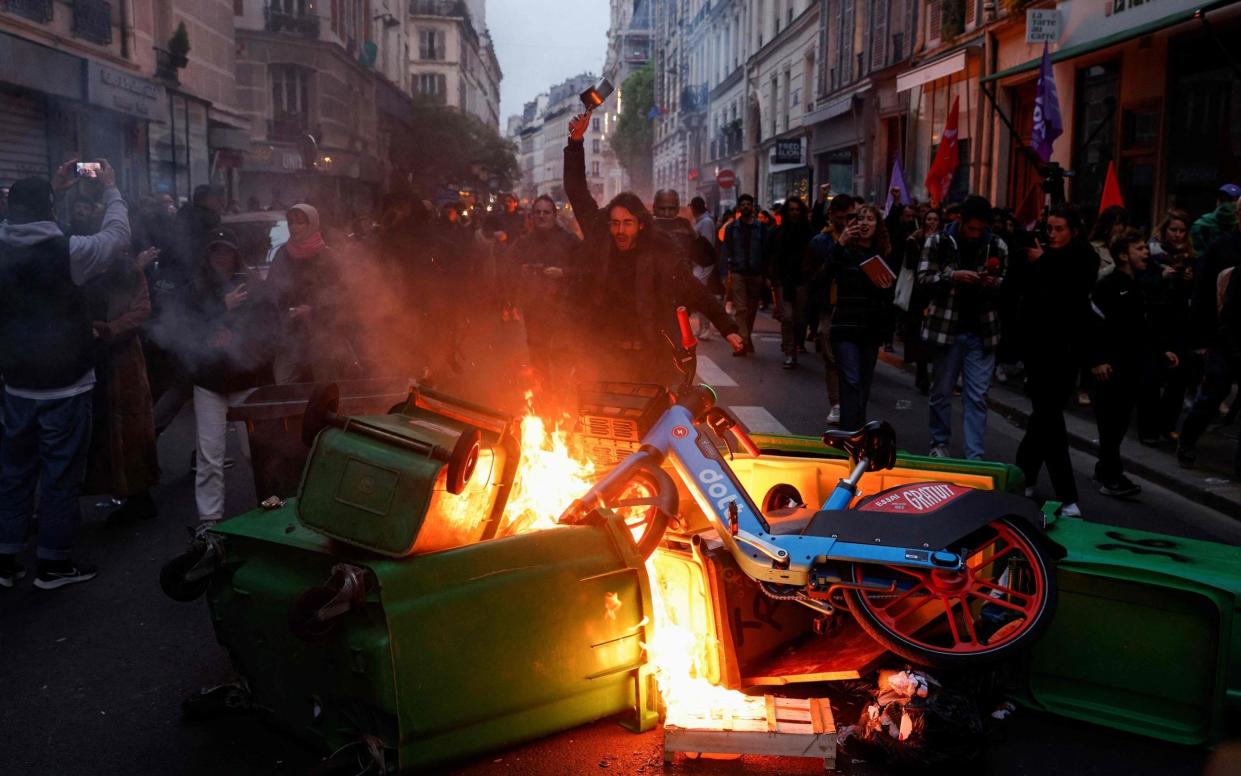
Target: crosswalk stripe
711,374
759,420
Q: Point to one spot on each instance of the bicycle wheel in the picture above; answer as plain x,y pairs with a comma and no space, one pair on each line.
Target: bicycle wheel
637,507
996,606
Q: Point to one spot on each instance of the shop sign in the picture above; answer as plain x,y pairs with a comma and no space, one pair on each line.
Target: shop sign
1088,20
120,91
788,152
1042,25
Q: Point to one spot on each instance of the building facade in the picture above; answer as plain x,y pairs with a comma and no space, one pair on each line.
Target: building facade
451,57
630,43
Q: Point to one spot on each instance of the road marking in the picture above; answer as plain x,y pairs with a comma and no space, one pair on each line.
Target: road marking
759,420
711,374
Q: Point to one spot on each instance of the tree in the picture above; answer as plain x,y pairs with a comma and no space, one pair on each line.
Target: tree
179,46
447,147
634,136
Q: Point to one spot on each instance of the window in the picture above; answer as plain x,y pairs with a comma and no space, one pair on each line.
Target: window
289,92
431,44
433,85
596,125
596,146
239,7
594,169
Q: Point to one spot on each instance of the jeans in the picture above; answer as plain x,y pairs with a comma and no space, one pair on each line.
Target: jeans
792,320
1221,373
1114,402
855,366
830,377
45,443
747,291
211,417
966,356
1049,383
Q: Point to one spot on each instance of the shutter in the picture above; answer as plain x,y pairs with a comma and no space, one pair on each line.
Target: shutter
846,44
934,21
971,13
879,35
23,138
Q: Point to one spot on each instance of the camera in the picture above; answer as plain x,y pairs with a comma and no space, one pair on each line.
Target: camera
87,169
593,97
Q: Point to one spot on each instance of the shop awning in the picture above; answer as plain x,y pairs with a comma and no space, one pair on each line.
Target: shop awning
1092,46
933,71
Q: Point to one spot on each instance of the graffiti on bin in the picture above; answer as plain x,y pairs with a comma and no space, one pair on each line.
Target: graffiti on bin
1143,546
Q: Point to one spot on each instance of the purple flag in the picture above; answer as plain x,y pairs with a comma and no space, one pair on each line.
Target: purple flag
897,181
1047,122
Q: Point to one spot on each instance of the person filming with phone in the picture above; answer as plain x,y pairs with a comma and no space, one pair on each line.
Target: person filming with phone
635,277
47,357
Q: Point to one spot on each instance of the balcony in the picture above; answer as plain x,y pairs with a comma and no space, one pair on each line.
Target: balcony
454,8
36,10
92,21
288,126
694,99
304,24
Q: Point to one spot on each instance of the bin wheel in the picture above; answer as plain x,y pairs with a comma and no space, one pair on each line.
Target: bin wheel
302,620
172,578
463,460
324,400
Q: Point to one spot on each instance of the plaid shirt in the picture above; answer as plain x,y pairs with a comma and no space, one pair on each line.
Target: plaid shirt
941,256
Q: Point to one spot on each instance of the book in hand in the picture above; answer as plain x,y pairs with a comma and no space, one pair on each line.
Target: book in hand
877,270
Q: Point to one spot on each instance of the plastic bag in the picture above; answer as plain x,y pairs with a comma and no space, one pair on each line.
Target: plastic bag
904,288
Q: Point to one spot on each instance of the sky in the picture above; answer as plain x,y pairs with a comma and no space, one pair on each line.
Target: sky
542,42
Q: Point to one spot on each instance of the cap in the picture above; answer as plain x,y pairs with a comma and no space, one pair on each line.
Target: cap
1231,189
221,237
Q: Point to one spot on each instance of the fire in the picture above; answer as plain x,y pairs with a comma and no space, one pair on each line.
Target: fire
548,480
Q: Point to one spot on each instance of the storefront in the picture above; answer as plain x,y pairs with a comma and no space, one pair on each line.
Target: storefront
180,156
838,140
932,89
787,172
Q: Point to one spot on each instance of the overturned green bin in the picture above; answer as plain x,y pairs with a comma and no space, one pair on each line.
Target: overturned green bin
428,651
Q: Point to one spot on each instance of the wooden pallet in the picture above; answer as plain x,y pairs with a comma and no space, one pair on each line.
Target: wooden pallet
782,727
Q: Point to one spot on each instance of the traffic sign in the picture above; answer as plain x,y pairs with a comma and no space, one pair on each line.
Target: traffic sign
726,178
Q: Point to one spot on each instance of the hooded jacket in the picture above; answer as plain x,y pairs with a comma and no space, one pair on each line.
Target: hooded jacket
88,256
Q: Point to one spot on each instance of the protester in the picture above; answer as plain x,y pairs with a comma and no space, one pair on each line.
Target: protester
550,274
790,275
962,269
743,250
706,260
224,342
47,359
639,280
1112,222
1122,344
821,293
1055,310
305,285
863,310
918,352
1167,286
818,213
1219,221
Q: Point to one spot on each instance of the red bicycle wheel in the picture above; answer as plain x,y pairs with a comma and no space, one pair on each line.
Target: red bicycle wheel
998,604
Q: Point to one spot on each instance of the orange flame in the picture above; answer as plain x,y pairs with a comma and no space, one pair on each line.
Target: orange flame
547,481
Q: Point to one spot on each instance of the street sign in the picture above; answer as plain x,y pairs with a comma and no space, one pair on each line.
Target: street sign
726,178
1042,25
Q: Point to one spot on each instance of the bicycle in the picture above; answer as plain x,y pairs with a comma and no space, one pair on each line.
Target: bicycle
938,573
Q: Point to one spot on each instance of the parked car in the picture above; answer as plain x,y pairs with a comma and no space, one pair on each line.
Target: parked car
259,234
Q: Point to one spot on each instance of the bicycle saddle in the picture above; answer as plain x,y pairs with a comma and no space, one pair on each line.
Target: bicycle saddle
876,442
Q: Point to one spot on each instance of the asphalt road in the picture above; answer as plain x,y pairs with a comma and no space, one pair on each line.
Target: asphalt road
93,675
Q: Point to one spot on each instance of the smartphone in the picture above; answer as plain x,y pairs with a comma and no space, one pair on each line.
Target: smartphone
593,97
851,218
87,169
239,278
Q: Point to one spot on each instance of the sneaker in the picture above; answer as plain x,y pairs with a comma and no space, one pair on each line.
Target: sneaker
790,362
940,451
1029,491
1083,399
58,573
833,417
1070,510
10,570
1186,457
139,507
1121,487
1001,375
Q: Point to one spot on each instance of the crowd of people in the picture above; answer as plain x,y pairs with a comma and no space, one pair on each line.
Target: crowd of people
111,326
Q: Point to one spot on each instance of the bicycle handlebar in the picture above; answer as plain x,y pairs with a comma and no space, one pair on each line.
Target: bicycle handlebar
688,340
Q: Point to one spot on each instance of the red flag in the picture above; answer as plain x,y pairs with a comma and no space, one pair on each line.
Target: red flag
939,177
1111,189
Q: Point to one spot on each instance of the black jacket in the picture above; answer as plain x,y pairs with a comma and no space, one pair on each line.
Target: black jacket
246,360
1224,252
787,262
863,310
662,280
1054,311
1121,334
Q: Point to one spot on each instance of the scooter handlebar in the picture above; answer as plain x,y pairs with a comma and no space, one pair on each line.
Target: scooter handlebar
688,340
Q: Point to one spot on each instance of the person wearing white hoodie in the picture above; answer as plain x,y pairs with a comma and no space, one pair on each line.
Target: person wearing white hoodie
47,360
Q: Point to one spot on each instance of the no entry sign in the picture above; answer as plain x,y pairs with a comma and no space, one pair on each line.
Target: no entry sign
726,178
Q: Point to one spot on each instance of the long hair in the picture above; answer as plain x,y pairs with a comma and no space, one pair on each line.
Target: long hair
879,242
633,203
1111,217
1161,231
